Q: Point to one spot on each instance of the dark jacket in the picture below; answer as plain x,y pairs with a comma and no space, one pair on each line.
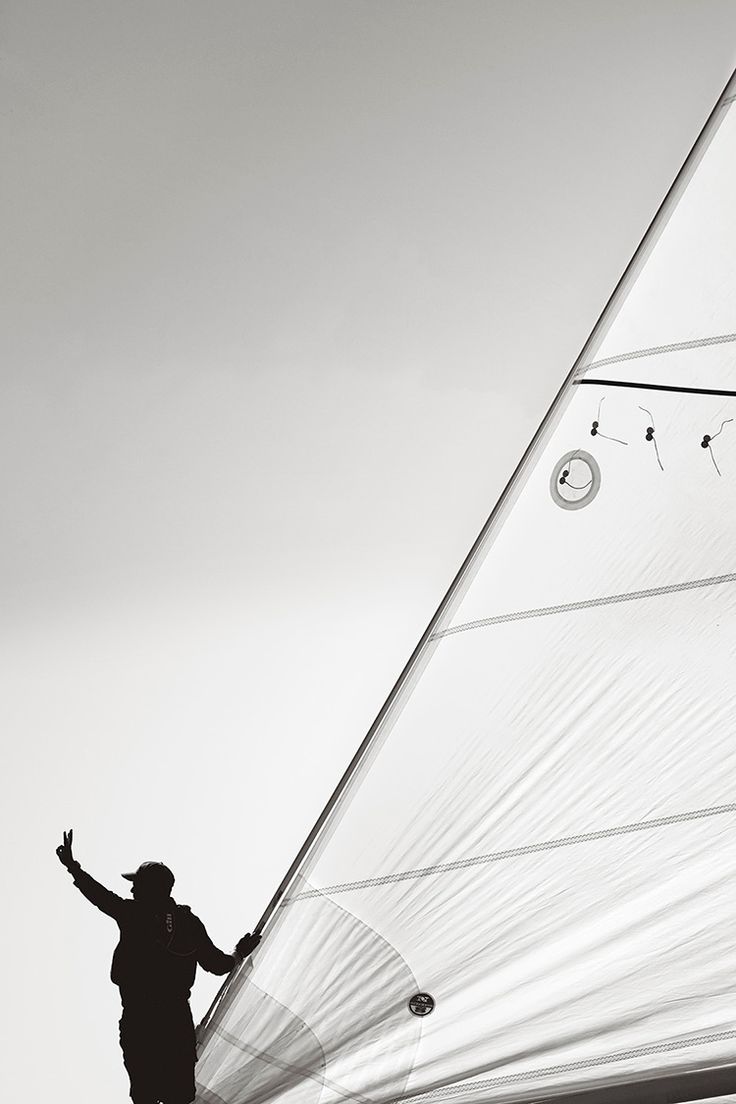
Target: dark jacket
156,958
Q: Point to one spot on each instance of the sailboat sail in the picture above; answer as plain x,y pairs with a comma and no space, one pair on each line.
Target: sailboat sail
525,888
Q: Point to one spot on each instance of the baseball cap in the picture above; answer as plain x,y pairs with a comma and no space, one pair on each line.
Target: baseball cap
152,872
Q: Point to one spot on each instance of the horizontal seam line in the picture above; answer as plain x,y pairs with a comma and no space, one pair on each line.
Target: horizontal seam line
585,603
658,350
583,1063
515,852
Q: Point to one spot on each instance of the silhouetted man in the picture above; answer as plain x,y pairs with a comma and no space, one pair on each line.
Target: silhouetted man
154,965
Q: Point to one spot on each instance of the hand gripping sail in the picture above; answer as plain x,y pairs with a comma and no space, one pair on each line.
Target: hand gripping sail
524,887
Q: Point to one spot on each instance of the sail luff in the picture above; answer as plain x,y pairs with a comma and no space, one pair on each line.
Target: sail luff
329,816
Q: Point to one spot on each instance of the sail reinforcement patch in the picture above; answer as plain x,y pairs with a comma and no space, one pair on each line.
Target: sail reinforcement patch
575,480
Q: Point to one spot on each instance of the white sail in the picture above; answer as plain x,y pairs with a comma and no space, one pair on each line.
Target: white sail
527,889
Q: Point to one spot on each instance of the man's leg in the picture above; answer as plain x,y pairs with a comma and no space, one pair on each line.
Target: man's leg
179,1088
138,1059
137,1098
178,1055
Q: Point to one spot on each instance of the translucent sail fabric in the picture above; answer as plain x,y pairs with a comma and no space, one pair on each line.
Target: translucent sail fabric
543,847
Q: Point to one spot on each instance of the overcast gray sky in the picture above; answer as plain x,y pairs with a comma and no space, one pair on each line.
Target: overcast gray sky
287,288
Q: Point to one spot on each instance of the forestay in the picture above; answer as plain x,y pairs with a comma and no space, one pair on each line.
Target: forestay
527,887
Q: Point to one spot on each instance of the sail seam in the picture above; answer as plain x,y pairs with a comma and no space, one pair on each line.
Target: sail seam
290,1067
658,350
515,852
582,1063
586,603
208,1095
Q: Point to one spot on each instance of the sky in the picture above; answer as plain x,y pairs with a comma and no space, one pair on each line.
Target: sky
288,286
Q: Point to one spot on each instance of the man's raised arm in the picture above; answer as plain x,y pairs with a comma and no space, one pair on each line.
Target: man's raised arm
105,900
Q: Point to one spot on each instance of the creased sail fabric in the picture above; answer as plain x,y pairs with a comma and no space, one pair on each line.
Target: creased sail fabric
545,841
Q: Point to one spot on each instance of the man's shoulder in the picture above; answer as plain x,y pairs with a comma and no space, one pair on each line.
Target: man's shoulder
126,910
185,916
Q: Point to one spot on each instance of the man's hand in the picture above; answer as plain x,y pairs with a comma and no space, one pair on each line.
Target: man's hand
64,850
246,946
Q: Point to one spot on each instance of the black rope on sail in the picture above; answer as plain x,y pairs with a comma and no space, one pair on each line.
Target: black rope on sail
656,387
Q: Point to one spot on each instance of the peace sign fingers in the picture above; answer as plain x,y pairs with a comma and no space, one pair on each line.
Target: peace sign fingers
64,850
